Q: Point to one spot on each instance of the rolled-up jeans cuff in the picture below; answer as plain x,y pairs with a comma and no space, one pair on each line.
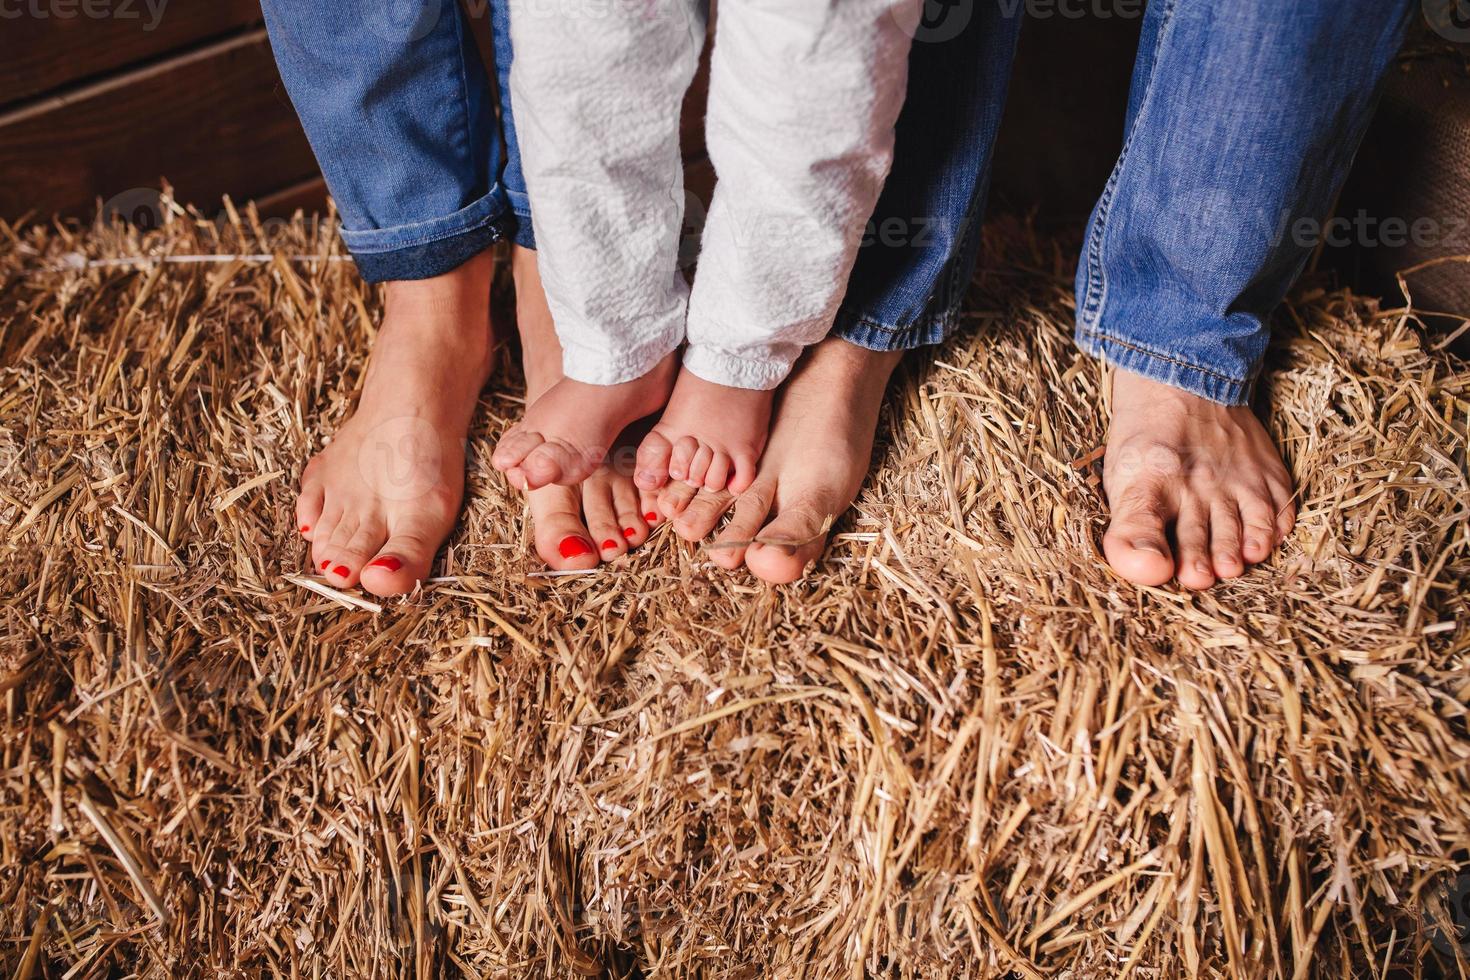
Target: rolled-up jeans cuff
430,248
1169,369
520,203
856,328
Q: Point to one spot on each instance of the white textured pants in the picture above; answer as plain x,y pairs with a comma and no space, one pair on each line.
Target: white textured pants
802,102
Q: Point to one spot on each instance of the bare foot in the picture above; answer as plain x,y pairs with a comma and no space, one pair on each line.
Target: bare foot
1206,474
709,436
380,499
568,430
818,456
575,527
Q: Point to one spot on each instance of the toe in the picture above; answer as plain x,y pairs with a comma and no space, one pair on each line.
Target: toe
628,505
648,507
1258,528
681,456
752,507
699,465
562,540
1136,544
1225,539
403,561
743,470
356,551
651,470
513,447
674,498
718,473
1192,531
785,547
554,462
309,507
602,519
702,514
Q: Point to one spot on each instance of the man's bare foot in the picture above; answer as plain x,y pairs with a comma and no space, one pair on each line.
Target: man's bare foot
709,436
818,456
575,527
1205,474
380,499
568,430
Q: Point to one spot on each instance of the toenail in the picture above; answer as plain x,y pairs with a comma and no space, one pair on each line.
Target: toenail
325,563
305,528
573,546
1254,544
628,532
387,561
1202,567
342,571
1148,546
650,517
609,545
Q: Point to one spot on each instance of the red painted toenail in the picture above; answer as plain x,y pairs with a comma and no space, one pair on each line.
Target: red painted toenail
650,517
574,546
628,532
609,545
305,528
387,561
342,571
325,563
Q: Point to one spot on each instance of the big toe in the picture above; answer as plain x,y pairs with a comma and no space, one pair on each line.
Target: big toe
786,546
562,539
1135,543
400,565
651,470
555,463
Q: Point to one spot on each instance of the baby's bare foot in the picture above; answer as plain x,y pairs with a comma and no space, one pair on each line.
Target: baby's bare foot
1206,475
710,436
568,430
378,501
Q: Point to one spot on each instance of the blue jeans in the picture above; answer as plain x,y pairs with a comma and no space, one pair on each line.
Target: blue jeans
1243,119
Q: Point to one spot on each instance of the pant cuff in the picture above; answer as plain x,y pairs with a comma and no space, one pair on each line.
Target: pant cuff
721,367
855,328
430,248
520,204
1166,369
595,366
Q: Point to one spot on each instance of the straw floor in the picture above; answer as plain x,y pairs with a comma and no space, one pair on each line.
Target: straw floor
960,748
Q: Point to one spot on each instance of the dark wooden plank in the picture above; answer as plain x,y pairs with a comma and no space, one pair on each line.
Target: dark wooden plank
48,44
212,122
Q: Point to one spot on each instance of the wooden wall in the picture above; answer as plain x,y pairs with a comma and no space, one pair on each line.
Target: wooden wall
102,98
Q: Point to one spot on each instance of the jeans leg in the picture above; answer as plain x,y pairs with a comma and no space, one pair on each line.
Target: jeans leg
1243,118
398,111
919,248
512,177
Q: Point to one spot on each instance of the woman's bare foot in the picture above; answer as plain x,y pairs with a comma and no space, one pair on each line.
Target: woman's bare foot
709,436
575,527
569,428
380,499
1205,474
818,456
